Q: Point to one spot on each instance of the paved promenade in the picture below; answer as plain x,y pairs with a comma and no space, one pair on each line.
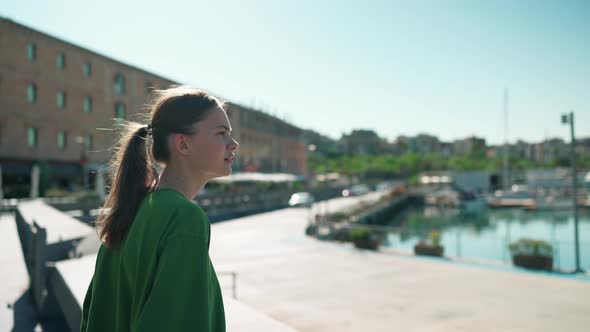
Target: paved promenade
312,285
17,312
14,280
309,285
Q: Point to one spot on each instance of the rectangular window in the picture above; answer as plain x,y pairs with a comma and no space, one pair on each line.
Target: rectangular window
87,68
32,138
119,84
32,93
120,111
61,99
87,104
149,86
62,140
32,52
61,60
88,142
119,114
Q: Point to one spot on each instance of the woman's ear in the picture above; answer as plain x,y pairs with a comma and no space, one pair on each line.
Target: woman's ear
180,144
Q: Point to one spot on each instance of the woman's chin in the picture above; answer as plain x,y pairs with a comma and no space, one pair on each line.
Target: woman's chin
227,171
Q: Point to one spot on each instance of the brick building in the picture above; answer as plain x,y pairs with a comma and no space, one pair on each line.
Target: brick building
267,144
60,103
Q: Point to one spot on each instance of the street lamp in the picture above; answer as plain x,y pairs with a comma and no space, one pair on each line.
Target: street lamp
83,159
565,119
311,148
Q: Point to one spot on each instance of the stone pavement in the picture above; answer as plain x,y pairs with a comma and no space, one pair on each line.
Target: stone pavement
14,279
312,285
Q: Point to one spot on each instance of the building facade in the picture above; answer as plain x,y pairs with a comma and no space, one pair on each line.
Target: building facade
61,106
267,144
361,142
470,146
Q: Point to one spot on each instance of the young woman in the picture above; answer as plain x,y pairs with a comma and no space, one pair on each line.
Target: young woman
153,271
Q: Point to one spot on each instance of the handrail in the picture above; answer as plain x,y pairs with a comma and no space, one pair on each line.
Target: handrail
234,276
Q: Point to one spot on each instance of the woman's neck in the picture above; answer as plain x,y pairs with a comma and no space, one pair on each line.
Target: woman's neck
181,181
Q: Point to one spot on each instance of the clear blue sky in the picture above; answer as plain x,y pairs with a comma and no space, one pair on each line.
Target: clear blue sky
437,67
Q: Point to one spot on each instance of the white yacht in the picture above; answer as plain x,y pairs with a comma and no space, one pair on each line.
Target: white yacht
518,196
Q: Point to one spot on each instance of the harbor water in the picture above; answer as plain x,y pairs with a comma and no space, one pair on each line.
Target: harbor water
487,236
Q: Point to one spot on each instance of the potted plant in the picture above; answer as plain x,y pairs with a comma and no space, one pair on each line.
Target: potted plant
430,247
337,216
363,238
532,254
311,229
342,234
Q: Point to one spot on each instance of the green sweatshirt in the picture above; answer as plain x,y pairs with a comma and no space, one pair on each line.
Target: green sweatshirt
161,278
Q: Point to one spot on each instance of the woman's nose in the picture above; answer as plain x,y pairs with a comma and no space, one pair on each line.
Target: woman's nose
234,145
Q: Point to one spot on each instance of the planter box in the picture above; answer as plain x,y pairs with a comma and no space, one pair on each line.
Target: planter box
370,244
428,250
534,262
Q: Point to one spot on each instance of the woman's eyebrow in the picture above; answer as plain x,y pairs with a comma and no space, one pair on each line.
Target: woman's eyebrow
224,127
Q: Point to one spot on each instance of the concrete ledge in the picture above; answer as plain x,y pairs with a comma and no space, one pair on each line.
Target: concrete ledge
60,227
70,279
46,235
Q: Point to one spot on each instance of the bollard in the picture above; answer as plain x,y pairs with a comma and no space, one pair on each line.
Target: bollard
37,252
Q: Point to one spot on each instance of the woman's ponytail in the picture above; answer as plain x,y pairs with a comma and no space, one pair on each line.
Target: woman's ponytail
133,176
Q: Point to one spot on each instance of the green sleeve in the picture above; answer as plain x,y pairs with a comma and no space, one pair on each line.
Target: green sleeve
179,299
86,307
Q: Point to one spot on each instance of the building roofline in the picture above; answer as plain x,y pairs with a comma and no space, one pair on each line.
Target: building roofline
6,20
263,113
95,53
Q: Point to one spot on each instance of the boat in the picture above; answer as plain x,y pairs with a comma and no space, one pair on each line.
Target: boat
551,203
454,197
443,197
518,196
472,203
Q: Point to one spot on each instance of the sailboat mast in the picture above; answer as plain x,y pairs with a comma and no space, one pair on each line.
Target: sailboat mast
505,182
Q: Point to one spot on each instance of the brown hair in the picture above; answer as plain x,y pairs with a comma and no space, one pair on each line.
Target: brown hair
133,174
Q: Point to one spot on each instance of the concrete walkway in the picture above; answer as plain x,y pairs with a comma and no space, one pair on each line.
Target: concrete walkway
17,312
77,274
16,303
14,279
312,285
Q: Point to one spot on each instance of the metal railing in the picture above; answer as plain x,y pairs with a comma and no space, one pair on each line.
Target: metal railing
234,276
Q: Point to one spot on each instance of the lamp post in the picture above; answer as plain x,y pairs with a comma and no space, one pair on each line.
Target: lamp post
565,119
83,160
311,148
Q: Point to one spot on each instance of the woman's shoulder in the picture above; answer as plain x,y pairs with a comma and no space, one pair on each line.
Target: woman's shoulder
183,217
170,201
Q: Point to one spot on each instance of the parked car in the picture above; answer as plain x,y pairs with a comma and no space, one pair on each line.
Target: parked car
356,190
385,185
301,199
